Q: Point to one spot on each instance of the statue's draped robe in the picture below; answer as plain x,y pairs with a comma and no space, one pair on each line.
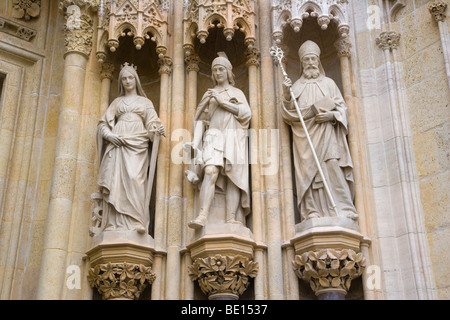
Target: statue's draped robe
123,171
330,142
225,143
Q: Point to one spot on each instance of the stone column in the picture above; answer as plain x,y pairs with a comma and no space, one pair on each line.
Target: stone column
192,63
409,212
272,189
175,201
343,47
165,70
438,11
253,57
78,31
107,70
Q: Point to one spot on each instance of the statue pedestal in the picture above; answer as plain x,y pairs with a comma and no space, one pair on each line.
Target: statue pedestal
222,256
328,255
121,264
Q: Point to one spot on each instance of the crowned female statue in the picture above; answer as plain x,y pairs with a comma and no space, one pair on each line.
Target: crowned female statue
124,133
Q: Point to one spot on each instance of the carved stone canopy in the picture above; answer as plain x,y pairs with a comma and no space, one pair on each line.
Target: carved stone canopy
203,15
140,19
294,12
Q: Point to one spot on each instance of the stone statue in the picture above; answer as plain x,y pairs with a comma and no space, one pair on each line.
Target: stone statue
325,115
124,132
220,146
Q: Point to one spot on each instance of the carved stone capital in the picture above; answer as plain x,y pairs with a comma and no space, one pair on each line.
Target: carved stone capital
329,270
437,10
223,276
343,47
252,56
388,40
120,280
78,25
107,70
165,65
192,62
26,9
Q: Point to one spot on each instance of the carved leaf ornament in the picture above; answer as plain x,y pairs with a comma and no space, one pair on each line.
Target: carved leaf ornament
120,280
219,274
329,268
26,9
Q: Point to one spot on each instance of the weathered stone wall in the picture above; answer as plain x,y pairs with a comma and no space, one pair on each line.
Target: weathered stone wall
428,96
400,204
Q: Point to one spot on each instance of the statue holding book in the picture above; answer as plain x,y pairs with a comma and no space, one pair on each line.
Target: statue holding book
325,115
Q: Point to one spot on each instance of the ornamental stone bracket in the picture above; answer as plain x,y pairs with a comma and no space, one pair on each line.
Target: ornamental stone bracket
141,19
121,264
293,13
388,40
328,255
438,10
231,15
223,265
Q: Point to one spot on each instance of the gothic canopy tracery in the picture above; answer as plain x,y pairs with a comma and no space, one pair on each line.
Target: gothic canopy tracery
141,19
294,12
231,15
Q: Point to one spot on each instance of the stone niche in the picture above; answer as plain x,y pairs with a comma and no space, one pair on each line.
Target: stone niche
146,60
222,253
328,258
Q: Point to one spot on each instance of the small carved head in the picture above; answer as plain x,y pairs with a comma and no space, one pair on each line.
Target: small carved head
222,62
130,71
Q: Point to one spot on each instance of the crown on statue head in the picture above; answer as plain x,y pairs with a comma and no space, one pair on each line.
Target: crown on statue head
126,64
